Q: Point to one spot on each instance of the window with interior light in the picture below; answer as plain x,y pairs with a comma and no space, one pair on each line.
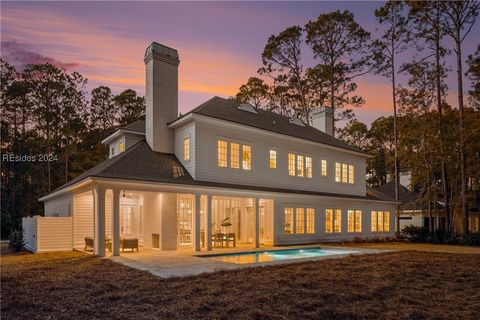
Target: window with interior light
273,159
234,155
247,157
308,167
288,227
333,220
299,220
300,165
186,149
310,220
354,221
380,221
121,147
222,149
344,173
324,168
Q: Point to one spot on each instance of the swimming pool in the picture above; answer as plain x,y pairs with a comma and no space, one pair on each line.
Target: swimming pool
278,255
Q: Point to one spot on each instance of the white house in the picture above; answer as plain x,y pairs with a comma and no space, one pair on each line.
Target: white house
224,174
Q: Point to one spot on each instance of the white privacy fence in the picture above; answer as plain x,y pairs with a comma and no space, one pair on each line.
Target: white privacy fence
47,233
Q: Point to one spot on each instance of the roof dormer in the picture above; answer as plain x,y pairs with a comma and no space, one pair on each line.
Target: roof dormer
247,107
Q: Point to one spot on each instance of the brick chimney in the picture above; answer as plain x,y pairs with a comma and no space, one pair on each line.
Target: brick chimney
161,96
322,119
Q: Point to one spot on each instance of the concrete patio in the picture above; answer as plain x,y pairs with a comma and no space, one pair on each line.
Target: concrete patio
182,263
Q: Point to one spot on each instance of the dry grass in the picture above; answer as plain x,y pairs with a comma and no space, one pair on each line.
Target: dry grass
397,285
427,247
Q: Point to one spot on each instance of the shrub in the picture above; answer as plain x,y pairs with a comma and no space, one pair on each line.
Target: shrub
16,240
415,234
473,239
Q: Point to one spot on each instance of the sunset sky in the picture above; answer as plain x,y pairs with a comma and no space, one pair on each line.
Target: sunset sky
219,43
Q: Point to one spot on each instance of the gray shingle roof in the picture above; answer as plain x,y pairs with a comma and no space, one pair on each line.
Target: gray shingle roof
226,109
165,168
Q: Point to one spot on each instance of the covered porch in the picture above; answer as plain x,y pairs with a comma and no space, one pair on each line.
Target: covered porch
113,220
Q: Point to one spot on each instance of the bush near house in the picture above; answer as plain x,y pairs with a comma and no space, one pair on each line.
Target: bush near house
16,241
422,234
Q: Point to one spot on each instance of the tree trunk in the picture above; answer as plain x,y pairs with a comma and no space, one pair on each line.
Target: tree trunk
395,138
463,160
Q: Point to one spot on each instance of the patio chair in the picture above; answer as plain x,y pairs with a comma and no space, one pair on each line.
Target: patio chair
131,244
88,243
230,239
218,238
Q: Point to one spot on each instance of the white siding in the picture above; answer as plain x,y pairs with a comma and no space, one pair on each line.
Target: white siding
206,168
47,233
187,131
322,203
59,206
83,218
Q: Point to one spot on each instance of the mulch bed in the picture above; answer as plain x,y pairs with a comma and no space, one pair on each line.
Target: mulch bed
399,285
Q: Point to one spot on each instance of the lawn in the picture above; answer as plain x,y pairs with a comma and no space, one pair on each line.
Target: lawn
397,285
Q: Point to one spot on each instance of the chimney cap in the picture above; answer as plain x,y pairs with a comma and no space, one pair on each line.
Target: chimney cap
162,50
322,109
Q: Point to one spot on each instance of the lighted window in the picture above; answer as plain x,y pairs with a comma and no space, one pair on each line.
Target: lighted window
288,220
354,221
379,221
121,147
186,149
235,155
308,167
324,168
328,220
351,174
300,172
386,221
374,221
358,221
247,157
344,172
273,159
310,220
291,164
337,221
300,221
338,172
222,153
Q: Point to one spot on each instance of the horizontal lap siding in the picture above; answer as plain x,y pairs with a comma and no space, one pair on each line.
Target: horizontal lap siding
187,131
59,206
54,234
83,219
261,175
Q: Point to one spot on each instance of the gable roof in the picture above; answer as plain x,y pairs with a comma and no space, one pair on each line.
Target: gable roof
166,168
227,110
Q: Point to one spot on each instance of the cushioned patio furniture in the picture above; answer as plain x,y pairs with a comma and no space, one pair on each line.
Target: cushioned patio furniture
218,239
131,244
230,238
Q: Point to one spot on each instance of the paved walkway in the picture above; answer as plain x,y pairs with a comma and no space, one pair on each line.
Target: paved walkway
181,263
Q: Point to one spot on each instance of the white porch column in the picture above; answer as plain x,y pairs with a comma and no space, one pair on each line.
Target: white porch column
116,223
99,209
196,222
208,226
257,222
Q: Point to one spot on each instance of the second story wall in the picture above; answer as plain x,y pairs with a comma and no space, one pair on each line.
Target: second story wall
185,142
209,131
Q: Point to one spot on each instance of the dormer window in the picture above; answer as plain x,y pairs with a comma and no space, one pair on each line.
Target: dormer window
186,149
121,147
247,107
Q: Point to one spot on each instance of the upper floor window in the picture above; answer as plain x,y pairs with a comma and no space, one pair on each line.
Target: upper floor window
273,159
354,221
247,157
324,168
186,149
380,221
121,147
234,155
299,165
344,173
222,149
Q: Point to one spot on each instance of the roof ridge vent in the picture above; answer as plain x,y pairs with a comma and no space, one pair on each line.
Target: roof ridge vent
247,107
297,121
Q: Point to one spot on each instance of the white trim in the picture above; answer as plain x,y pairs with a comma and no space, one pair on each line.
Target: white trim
117,133
54,194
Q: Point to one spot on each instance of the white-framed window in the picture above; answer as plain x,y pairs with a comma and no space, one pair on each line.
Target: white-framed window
354,221
186,149
380,221
234,155
344,173
273,159
291,164
246,157
324,168
299,220
121,147
300,166
308,167
333,220
222,151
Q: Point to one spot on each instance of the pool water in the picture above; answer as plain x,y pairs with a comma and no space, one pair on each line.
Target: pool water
278,255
